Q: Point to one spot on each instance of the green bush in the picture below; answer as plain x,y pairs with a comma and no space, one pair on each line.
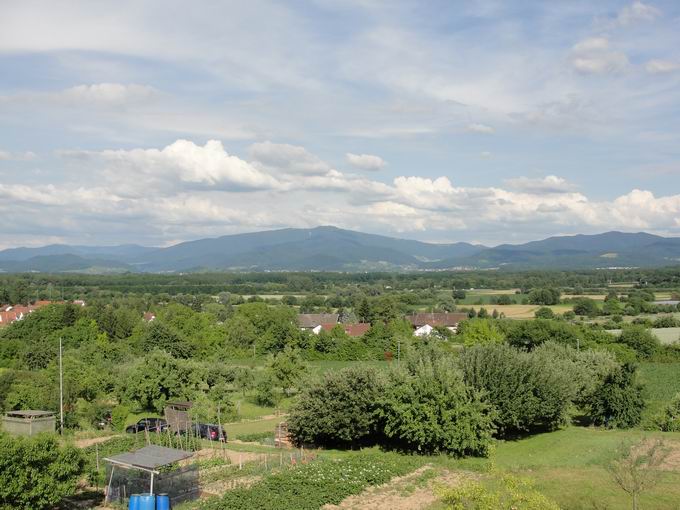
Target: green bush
530,334
119,415
670,419
510,493
428,408
338,410
528,391
641,340
617,402
37,472
479,331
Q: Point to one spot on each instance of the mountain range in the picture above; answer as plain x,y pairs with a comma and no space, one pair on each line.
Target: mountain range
333,249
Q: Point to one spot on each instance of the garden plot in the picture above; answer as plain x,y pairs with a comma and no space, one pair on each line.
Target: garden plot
412,491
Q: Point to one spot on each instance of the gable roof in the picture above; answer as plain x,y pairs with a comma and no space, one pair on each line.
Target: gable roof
358,329
311,320
436,319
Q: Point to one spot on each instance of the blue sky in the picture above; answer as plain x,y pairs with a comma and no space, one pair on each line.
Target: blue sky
491,121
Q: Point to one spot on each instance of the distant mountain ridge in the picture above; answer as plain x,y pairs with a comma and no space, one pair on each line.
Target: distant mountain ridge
333,249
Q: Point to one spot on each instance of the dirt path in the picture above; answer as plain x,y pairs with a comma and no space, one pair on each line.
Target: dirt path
84,443
410,492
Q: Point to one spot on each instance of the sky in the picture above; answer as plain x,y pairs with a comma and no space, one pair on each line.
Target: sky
155,122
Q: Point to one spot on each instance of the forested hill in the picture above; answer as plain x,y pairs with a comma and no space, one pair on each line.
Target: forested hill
334,249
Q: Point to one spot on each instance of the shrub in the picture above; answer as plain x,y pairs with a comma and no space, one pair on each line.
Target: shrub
670,419
586,306
617,402
512,492
641,340
428,408
530,334
339,410
37,473
479,331
528,391
544,297
544,313
119,416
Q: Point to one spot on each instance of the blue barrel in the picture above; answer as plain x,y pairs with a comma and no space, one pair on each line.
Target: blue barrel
134,502
162,502
147,502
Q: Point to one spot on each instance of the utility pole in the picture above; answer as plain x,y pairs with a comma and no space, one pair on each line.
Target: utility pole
61,390
398,352
578,345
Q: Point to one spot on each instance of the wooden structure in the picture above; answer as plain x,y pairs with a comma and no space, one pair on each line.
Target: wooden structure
281,437
29,422
177,416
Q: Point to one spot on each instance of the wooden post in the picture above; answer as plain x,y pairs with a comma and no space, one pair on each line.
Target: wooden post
240,461
108,487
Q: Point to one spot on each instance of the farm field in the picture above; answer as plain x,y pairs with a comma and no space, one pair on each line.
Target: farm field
666,336
522,311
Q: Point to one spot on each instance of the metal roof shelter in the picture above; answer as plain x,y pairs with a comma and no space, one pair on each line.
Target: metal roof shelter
148,459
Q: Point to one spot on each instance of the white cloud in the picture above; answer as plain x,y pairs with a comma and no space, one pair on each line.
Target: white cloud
366,161
637,12
287,158
480,128
657,66
99,94
547,184
593,56
17,156
138,172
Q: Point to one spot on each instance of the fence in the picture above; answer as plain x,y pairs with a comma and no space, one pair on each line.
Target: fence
180,484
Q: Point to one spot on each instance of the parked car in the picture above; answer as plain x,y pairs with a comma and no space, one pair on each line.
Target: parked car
208,431
150,424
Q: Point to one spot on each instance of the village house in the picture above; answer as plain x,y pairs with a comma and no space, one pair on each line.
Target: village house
424,323
353,330
309,321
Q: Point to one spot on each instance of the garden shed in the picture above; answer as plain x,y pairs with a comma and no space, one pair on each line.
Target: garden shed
177,416
29,422
152,469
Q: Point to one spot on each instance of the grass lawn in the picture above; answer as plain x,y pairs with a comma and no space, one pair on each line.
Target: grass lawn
569,466
662,382
252,427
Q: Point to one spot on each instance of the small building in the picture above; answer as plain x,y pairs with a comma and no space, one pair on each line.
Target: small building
28,422
177,416
353,330
309,321
149,317
425,323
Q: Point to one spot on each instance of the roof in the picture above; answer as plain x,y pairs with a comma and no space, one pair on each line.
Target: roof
149,458
436,319
311,320
358,329
29,413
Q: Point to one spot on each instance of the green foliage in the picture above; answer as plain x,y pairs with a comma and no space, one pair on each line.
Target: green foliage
119,416
544,313
339,410
163,337
509,493
479,331
641,340
311,486
618,401
530,334
528,391
158,378
586,306
287,369
426,407
36,473
669,421
545,296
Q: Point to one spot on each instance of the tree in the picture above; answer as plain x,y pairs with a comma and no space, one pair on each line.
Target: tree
528,391
545,296
640,339
636,469
617,402
544,313
530,334
479,331
287,368
458,294
160,336
426,407
338,410
36,473
669,421
587,307
244,379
